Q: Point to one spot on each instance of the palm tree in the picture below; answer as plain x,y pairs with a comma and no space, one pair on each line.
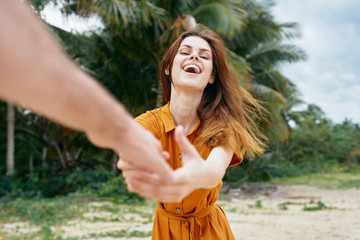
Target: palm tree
137,33
260,44
143,30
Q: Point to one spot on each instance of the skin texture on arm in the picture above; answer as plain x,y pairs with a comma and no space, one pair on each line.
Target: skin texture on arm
36,72
194,174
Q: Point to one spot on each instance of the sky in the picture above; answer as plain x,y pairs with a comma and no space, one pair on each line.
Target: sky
330,77
52,15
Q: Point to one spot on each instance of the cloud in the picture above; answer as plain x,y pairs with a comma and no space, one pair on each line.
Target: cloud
330,36
52,15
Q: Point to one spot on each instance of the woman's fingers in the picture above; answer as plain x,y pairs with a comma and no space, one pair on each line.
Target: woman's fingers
173,193
151,187
150,178
166,155
124,165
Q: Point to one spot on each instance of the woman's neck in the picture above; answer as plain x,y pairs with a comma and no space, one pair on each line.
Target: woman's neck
183,108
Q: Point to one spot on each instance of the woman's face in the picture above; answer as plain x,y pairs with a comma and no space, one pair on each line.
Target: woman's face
193,64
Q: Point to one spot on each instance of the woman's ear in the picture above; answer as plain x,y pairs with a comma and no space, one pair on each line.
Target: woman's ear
212,78
167,71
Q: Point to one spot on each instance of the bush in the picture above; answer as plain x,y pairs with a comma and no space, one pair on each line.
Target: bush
102,183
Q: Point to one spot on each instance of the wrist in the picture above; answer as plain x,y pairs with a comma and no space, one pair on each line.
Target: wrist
113,132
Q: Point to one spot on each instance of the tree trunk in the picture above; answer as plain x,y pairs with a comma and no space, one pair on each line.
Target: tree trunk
160,96
10,139
31,166
61,157
43,162
114,161
65,148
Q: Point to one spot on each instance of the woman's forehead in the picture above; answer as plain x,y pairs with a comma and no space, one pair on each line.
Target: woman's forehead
196,42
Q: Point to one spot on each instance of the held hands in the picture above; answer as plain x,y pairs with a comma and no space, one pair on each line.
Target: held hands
184,180
138,145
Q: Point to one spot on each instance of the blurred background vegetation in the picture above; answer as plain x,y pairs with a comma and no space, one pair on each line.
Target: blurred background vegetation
41,159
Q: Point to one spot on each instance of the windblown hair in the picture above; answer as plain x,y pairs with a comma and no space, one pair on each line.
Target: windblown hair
227,112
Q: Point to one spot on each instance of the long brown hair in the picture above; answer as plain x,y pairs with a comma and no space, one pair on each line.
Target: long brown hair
226,111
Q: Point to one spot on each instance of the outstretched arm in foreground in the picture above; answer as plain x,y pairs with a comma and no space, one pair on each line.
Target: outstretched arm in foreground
194,174
36,72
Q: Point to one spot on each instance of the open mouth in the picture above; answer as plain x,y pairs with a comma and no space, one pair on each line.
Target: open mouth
191,68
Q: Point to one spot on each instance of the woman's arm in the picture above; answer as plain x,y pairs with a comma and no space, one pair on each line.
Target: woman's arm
215,167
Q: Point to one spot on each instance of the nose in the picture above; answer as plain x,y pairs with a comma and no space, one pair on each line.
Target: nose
194,56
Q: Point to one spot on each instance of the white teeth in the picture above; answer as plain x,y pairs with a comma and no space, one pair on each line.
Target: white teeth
197,70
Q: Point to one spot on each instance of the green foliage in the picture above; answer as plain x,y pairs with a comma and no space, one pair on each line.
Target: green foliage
114,190
311,206
315,140
316,145
257,205
342,178
121,233
41,211
101,183
319,206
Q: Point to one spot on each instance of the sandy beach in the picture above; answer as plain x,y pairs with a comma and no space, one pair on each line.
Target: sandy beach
267,212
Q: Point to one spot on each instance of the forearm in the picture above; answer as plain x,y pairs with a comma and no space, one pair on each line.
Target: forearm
214,168
35,71
211,176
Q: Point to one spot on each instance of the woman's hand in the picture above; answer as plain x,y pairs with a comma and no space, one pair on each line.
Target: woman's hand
195,173
185,179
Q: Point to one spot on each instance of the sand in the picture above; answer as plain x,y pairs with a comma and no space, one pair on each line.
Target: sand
337,218
255,213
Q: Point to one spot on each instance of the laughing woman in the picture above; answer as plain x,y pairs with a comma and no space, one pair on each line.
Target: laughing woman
206,103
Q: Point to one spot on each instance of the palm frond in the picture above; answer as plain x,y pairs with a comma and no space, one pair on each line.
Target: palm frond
76,45
241,67
268,94
129,14
275,80
267,56
226,17
175,8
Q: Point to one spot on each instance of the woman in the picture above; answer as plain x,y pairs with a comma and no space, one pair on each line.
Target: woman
207,103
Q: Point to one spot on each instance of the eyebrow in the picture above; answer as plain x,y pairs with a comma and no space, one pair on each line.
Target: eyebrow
201,49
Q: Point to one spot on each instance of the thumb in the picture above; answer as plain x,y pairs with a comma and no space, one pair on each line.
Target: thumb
185,146
165,155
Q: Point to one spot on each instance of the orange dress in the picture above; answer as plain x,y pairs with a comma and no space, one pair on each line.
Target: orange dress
197,217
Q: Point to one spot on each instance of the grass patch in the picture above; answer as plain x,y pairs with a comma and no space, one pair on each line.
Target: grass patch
44,218
284,205
257,205
233,210
336,180
122,233
318,206
43,211
306,206
45,233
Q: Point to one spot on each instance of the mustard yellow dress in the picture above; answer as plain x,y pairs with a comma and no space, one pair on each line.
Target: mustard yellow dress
197,217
